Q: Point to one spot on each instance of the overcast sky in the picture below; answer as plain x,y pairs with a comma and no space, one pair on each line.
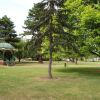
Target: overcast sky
17,10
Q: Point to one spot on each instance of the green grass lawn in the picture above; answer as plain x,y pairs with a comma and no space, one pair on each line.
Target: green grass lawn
29,82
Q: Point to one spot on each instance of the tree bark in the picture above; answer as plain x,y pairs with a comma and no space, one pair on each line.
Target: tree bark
19,59
51,39
50,59
40,59
76,60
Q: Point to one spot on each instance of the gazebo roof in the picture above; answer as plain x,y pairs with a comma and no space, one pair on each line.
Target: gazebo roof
6,46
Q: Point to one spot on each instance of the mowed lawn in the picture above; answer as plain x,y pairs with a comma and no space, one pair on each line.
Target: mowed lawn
28,81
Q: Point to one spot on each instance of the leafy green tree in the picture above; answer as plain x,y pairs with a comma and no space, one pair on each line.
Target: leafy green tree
20,53
90,26
85,17
33,50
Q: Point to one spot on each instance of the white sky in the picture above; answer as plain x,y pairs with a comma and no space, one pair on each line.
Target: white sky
17,10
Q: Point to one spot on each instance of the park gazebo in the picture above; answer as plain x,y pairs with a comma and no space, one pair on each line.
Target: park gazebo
7,53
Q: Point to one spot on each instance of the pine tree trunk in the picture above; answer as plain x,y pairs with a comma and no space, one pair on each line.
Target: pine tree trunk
51,39
50,60
50,66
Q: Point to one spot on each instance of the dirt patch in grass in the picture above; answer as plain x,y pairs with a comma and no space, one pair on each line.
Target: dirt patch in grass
68,78
44,78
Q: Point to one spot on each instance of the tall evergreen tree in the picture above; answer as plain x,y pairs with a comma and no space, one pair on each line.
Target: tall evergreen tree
6,27
42,20
7,30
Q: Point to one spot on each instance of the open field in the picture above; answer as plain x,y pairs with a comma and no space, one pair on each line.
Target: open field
28,81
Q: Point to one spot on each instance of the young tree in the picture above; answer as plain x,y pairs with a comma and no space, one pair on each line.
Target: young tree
20,49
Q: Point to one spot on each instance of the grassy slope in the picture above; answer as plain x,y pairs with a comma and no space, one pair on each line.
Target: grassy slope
29,82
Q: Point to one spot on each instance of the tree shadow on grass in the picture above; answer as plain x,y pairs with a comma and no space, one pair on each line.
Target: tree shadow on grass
87,71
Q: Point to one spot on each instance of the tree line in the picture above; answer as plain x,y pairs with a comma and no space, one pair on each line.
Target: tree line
64,28
61,29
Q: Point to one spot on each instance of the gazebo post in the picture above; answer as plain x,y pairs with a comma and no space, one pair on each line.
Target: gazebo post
3,49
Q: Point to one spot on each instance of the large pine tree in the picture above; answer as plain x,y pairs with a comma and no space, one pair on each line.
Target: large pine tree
43,20
7,31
